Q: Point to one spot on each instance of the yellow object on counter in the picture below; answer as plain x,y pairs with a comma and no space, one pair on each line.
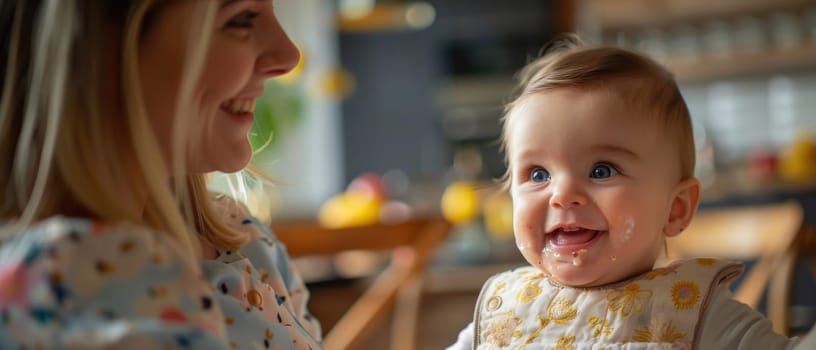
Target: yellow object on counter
798,161
350,209
498,215
460,202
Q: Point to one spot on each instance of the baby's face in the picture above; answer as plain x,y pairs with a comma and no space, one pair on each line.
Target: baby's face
592,185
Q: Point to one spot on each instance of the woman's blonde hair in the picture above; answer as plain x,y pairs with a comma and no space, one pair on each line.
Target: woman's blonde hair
640,83
66,64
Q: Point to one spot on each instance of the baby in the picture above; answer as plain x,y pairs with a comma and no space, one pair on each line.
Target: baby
600,159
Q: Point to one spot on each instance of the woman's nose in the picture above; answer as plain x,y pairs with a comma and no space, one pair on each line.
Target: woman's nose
566,193
279,54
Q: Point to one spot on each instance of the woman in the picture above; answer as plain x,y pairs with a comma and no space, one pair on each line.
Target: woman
111,114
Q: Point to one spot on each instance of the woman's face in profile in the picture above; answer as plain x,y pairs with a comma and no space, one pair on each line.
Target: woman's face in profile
247,46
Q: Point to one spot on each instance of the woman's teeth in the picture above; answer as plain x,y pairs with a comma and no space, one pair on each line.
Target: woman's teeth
243,105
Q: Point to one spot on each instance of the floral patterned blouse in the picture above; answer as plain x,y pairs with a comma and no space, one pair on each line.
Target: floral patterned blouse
79,284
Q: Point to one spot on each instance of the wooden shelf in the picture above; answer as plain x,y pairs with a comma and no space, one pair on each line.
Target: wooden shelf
608,18
740,64
310,238
626,14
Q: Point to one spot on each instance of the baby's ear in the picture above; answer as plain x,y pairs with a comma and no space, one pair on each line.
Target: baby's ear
683,206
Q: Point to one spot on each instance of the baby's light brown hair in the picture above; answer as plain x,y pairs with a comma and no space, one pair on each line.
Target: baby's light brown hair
643,86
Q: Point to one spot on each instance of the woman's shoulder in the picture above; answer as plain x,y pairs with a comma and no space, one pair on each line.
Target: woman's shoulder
80,232
96,275
103,248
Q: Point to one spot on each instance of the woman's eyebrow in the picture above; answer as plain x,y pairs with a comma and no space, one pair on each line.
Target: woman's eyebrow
226,3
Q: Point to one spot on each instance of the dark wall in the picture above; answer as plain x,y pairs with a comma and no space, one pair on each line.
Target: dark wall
390,122
393,121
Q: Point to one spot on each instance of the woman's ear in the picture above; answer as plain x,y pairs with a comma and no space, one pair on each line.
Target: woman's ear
683,206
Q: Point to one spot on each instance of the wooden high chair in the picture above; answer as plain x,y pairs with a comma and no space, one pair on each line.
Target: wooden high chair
397,287
764,234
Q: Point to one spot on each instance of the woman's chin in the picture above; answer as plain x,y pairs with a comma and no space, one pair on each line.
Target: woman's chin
230,169
225,163
234,165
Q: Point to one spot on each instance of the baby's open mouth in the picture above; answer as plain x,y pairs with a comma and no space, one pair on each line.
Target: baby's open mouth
572,236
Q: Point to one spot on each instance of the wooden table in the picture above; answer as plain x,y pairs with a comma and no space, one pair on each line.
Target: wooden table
398,287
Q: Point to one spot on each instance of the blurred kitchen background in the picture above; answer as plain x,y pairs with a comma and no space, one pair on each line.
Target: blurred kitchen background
400,100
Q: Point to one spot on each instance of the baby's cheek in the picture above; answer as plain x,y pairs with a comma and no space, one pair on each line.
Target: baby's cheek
528,249
524,241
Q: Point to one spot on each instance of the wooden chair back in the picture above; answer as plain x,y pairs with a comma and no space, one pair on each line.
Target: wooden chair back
764,234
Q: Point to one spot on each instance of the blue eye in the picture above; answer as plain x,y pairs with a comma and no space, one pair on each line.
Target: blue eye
539,175
245,19
602,171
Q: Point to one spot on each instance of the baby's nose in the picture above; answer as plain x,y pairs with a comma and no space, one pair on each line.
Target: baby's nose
567,193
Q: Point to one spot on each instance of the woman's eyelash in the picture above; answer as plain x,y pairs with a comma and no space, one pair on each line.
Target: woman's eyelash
244,20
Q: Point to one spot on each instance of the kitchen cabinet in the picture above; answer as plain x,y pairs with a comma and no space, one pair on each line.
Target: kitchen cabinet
703,40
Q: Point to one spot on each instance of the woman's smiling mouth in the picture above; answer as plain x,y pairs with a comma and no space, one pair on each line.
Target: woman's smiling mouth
241,109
